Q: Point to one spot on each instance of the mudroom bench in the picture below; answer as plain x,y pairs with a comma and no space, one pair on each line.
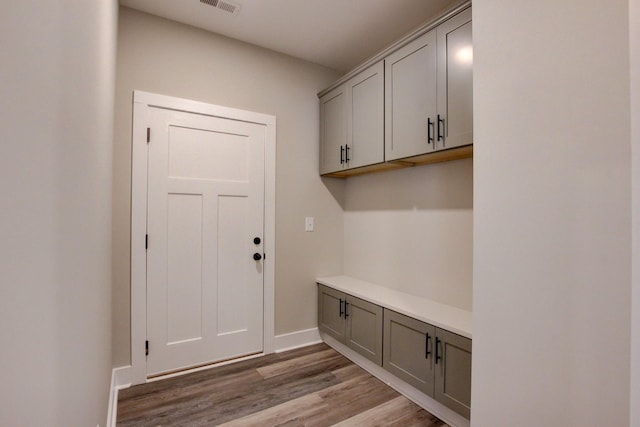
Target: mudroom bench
420,347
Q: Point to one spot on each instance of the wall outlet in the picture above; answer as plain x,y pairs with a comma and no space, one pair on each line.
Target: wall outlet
308,223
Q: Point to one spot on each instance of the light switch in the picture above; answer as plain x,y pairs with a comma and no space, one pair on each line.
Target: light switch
308,223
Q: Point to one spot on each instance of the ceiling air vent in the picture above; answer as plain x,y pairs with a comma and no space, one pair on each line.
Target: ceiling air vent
223,5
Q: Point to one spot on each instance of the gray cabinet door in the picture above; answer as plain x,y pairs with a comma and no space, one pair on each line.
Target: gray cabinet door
364,328
365,144
408,350
410,98
453,371
330,312
333,130
454,126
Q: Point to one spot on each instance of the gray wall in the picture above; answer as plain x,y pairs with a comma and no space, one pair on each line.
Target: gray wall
160,56
552,213
412,230
634,49
57,72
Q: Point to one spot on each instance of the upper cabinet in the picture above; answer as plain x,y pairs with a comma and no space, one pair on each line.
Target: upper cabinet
428,92
352,120
411,98
365,117
412,104
454,126
333,130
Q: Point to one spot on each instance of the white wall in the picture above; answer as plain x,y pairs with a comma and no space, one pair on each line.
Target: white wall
57,71
160,56
634,49
411,230
552,213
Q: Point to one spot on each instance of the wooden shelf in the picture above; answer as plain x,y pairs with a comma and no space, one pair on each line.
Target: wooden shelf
423,159
436,157
378,167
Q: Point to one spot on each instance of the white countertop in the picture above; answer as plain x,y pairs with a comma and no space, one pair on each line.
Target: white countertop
443,316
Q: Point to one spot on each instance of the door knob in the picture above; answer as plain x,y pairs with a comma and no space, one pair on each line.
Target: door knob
257,256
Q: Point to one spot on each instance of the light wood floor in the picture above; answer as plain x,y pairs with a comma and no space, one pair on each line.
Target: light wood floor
311,386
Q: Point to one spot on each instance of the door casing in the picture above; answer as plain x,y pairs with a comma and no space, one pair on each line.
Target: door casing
142,101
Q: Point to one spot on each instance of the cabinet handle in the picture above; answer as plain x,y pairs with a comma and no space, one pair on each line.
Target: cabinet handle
427,352
429,130
341,301
345,309
341,154
438,355
346,154
440,134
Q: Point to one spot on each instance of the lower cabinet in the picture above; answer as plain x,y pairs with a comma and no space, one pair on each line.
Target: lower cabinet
408,350
352,321
433,360
453,371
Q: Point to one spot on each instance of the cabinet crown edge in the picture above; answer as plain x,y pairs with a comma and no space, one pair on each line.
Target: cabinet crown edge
408,38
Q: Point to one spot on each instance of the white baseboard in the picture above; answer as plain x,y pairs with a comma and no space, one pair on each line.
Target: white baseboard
120,378
436,408
297,339
113,400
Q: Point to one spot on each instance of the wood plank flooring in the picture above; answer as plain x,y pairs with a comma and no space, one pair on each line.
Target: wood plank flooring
311,386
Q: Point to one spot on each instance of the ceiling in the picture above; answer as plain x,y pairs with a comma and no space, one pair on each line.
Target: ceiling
338,34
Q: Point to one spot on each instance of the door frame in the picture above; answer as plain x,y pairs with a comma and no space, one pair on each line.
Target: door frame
142,102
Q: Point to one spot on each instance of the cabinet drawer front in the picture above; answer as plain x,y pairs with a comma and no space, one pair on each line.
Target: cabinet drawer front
405,350
453,372
364,329
330,304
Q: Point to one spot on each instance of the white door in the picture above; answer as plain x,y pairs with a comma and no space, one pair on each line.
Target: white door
205,216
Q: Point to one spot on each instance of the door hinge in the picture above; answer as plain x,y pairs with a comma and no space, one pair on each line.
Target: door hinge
146,348
146,241
148,135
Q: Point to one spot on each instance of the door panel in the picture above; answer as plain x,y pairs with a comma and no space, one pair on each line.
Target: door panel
205,206
455,80
410,98
204,154
366,117
184,267
333,130
330,312
453,372
364,328
405,350
232,222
